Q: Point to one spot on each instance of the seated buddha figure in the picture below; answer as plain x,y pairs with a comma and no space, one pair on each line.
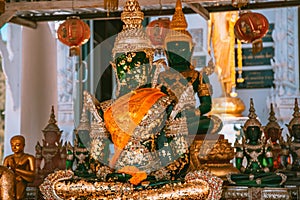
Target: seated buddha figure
149,144
258,154
180,73
150,156
294,138
273,132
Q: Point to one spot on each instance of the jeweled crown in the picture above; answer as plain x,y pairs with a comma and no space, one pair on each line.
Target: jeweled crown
132,38
178,27
252,121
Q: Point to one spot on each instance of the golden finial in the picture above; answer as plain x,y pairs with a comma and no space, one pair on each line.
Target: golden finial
178,22
178,28
252,121
296,117
132,38
132,16
52,127
272,120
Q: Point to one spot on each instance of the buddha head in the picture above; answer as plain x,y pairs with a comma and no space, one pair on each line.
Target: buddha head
17,143
178,42
294,125
272,130
132,51
252,127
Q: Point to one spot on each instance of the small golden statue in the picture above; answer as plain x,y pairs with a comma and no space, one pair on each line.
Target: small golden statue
22,164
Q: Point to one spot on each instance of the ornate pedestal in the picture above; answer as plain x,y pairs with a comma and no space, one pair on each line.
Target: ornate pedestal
212,153
254,193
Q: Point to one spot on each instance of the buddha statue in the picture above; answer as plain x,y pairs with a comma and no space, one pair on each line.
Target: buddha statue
180,73
52,153
79,154
294,138
258,153
291,158
21,164
149,142
150,157
209,150
273,132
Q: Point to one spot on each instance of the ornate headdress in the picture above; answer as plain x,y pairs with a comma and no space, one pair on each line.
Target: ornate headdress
132,38
52,126
296,117
178,27
272,121
252,121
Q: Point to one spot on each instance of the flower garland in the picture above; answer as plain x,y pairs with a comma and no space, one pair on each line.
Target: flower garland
240,79
232,54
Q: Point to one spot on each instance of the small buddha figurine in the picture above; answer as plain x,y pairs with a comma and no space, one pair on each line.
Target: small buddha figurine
273,132
22,164
294,131
258,154
80,153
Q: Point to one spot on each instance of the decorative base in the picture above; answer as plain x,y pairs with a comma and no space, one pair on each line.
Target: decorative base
212,153
220,170
254,193
231,106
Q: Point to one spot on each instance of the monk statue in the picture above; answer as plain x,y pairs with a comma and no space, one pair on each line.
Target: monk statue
258,153
22,164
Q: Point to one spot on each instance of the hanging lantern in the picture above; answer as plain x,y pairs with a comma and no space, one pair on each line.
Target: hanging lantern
74,33
250,28
157,31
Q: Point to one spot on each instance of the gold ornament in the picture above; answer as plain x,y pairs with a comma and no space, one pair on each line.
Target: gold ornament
132,38
252,121
178,27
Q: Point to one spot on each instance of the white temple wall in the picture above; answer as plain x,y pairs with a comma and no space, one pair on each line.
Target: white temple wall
39,82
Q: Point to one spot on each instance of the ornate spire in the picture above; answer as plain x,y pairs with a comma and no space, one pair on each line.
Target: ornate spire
178,22
132,16
178,27
52,127
296,116
252,121
132,38
272,120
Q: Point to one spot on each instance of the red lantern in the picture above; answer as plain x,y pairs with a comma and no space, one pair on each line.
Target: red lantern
251,27
157,31
74,33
